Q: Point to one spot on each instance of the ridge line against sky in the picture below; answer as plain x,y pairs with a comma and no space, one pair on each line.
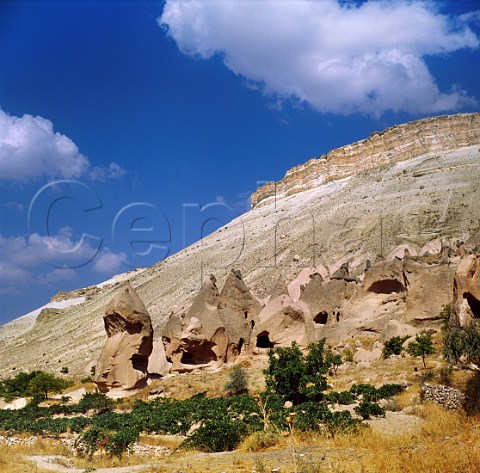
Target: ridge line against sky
158,119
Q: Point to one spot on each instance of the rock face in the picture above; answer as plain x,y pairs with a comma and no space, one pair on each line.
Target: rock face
124,359
396,144
466,292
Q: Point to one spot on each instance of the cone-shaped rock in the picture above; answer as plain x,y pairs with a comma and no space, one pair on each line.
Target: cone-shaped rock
199,338
238,310
124,358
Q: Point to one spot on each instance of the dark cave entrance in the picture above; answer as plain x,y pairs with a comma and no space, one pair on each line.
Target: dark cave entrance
321,318
263,340
199,354
140,363
474,304
386,286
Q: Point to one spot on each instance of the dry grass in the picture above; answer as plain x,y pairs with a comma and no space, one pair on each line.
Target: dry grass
12,458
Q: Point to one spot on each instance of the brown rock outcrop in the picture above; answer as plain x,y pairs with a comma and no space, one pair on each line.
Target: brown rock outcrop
123,361
466,292
216,329
395,144
282,322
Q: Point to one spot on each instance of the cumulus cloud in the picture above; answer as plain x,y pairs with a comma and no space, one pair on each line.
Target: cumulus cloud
108,262
339,57
30,148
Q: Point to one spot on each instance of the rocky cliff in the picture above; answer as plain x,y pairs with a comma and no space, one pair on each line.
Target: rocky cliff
395,144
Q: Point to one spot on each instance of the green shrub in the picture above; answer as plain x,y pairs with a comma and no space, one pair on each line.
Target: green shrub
366,409
96,401
122,440
422,346
464,342
238,381
218,435
393,346
297,377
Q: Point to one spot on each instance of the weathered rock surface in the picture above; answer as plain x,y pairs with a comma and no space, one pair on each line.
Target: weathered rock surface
394,328
282,322
466,292
124,359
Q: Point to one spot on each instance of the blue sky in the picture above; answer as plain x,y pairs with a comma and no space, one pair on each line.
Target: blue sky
143,123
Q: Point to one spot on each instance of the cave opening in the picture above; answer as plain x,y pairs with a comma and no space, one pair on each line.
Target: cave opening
263,340
321,318
199,354
140,363
474,304
386,286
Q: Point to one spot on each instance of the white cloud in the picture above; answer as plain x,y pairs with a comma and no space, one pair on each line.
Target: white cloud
338,57
14,206
30,148
108,262
113,171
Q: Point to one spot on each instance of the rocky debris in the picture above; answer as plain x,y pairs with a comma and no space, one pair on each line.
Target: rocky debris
217,328
123,361
449,398
12,441
394,328
466,292
394,145
145,450
364,357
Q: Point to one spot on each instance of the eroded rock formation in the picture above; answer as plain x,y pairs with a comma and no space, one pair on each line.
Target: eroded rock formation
123,361
466,292
217,328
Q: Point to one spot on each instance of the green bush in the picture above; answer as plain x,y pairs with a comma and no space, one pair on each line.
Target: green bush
464,342
237,382
366,409
297,377
393,346
122,440
96,401
218,435
422,346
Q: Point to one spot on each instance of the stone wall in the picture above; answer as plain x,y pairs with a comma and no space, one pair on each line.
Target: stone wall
449,398
395,144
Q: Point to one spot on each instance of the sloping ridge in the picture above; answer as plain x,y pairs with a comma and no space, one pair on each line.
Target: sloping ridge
360,214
